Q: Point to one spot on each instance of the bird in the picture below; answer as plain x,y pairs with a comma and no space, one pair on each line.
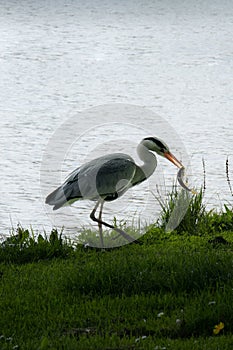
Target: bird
108,177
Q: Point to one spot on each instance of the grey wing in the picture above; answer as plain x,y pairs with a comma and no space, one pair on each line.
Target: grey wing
107,177
115,177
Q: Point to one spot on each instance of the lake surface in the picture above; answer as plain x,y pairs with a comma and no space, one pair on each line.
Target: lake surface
59,59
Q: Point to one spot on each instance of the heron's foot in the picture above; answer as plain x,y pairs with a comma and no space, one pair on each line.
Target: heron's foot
125,235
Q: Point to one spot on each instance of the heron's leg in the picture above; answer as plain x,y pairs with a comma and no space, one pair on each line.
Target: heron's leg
100,224
92,216
100,221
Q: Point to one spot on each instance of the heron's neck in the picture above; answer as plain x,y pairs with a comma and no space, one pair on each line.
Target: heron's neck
148,158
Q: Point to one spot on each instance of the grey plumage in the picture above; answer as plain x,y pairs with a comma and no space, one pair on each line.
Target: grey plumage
108,177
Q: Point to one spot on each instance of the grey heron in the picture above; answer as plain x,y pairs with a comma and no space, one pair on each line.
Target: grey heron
108,177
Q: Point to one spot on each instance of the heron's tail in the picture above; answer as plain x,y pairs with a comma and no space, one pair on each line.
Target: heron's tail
66,194
57,198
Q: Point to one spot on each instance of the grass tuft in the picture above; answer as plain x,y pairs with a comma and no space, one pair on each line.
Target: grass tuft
22,246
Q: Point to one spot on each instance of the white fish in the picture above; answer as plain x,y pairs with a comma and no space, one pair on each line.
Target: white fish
184,185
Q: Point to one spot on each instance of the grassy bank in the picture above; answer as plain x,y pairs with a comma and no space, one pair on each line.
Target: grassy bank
169,292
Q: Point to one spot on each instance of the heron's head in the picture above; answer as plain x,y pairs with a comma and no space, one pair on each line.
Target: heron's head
161,148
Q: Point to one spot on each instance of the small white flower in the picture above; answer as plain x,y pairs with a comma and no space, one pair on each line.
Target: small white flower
178,321
212,302
160,314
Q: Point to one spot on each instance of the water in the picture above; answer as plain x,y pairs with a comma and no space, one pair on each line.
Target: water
61,57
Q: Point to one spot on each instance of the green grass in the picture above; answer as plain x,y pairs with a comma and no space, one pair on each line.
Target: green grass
169,292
